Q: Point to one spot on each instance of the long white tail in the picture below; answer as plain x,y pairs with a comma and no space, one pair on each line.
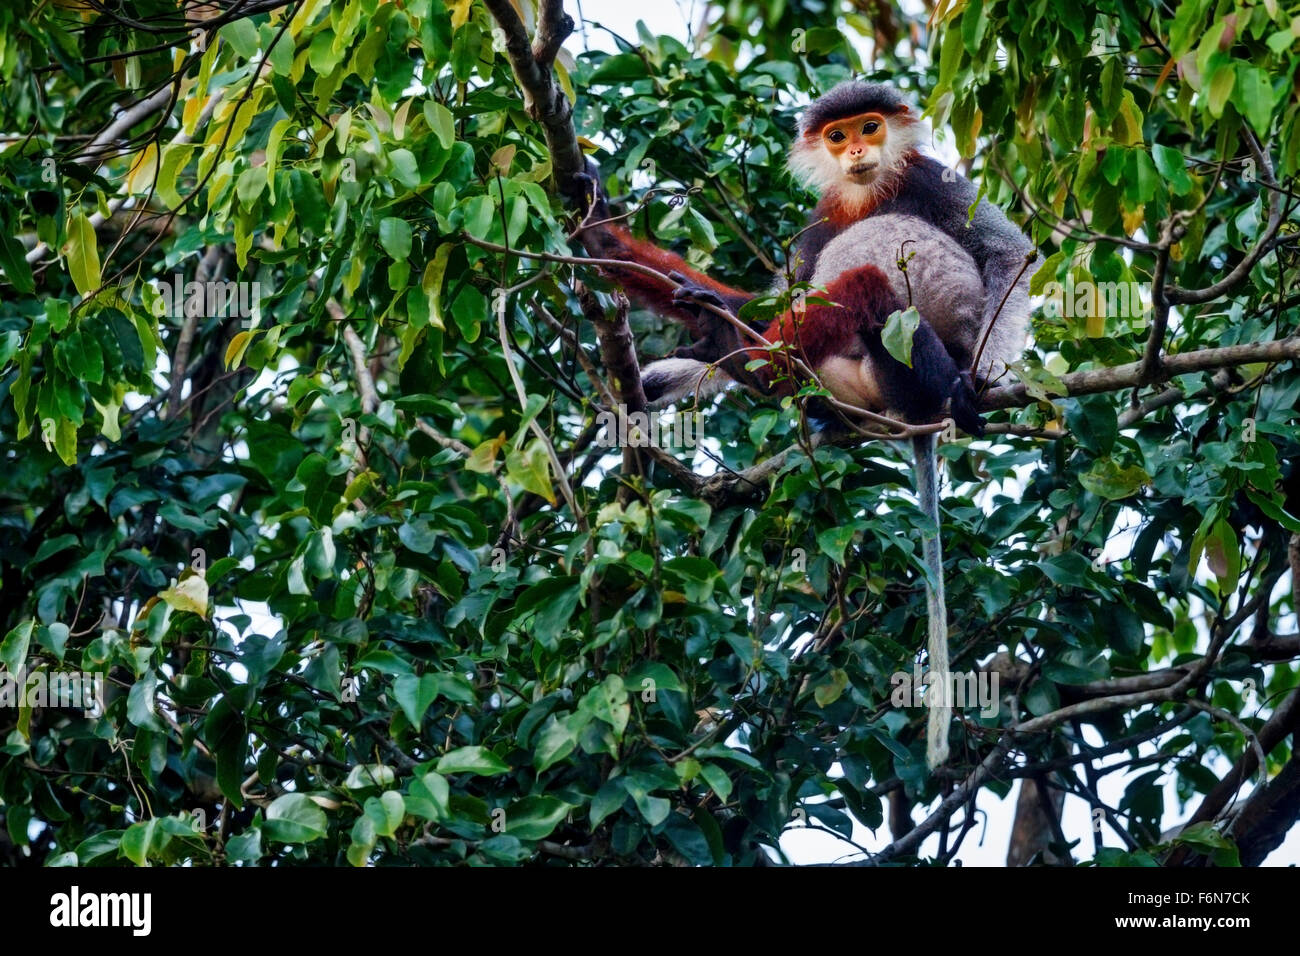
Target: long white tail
937,696
673,379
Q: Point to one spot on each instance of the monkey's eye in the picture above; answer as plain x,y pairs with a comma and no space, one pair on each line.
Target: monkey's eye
835,136
871,127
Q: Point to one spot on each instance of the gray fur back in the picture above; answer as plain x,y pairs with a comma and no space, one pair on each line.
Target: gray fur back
945,284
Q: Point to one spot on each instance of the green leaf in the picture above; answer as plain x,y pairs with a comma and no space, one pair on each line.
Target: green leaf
1187,25
608,702
619,69
441,123
309,201
900,327
250,185
556,741
1066,570
479,214
1221,82
13,652
833,541
545,608
430,797
660,678
533,818
140,838
1142,180
475,760
366,776
1062,672
829,692
364,839
13,260
655,810
608,799
227,738
1113,856
242,36
386,812
403,168
415,695
701,229
1042,698
395,237
1093,422
1207,839
1253,96
294,818
1223,553
1169,162
717,780
245,848
688,839
140,707
1109,479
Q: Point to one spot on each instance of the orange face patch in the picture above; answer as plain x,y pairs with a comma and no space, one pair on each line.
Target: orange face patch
854,134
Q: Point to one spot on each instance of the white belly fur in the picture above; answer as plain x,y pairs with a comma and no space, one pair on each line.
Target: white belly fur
852,381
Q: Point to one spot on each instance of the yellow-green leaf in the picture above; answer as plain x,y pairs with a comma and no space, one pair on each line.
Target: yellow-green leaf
82,252
141,177
238,345
431,283
190,593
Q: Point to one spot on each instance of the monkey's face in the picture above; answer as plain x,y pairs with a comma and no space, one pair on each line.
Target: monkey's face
857,159
857,143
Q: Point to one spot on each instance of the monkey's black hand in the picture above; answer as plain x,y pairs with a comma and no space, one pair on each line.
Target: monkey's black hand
703,349
586,194
964,406
692,296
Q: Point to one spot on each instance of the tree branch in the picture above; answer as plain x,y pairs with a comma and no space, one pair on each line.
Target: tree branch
1176,295
543,99
1285,720
1092,381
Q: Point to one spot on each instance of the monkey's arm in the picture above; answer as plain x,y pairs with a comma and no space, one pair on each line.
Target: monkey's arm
612,241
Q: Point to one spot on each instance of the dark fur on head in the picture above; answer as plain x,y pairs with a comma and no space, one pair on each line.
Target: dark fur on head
851,98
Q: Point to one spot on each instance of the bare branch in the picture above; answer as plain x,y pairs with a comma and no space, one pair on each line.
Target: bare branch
455,444
210,266
543,99
553,29
1150,369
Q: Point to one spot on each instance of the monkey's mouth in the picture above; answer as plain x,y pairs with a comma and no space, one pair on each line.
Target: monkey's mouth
863,171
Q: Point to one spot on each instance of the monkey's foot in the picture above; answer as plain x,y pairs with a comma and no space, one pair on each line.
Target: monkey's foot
704,349
964,406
